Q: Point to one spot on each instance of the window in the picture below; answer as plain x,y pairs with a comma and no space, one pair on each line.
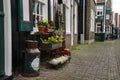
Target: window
92,20
99,11
25,16
107,29
38,12
98,27
107,16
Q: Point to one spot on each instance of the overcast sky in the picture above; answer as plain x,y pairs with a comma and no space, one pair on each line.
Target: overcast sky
116,6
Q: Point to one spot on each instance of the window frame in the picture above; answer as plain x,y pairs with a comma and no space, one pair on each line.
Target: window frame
92,27
38,11
99,9
98,25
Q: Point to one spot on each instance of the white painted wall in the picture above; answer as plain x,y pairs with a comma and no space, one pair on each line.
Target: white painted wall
7,37
52,10
68,17
71,21
76,19
45,9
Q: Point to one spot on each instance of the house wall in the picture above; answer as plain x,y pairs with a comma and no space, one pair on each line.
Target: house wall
52,10
119,21
71,21
108,21
100,1
75,23
19,37
112,16
89,34
67,25
116,20
75,37
67,19
80,20
68,41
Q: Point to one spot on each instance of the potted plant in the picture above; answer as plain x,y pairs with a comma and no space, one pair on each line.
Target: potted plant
51,25
42,26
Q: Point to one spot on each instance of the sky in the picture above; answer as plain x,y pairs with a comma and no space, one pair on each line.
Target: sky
116,6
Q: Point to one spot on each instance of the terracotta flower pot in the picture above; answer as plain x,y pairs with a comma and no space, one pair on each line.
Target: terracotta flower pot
41,28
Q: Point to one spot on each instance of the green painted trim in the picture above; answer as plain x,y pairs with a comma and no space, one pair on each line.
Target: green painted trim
99,18
2,70
1,13
100,3
23,25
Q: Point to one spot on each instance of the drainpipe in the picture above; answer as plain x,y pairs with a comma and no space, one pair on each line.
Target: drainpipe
104,17
83,34
49,9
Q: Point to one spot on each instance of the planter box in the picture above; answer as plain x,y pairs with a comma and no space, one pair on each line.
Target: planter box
50,46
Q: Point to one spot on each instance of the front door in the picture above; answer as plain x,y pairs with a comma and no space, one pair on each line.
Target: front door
1,39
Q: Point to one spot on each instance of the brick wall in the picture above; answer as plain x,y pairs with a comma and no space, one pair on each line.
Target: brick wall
89,35
100,1
75,39
68,41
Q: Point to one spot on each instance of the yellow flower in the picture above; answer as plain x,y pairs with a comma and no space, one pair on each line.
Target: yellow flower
45,20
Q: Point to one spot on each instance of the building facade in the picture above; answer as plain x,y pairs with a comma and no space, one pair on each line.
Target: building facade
71,22
100,16
18,23
86,21
108,23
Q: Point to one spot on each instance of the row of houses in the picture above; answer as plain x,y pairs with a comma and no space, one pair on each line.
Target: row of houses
107,21
116,24
81,20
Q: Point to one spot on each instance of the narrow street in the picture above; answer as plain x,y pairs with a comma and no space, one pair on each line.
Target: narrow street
96,61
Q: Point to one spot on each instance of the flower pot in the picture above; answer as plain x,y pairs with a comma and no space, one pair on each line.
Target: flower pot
41,28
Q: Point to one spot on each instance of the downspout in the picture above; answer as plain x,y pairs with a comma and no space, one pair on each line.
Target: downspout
83,35
49,9
104,17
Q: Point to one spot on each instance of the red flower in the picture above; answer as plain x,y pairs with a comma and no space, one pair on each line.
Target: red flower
45,31
50,21
37,18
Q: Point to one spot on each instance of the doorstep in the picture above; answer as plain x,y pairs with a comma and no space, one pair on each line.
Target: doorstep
6,77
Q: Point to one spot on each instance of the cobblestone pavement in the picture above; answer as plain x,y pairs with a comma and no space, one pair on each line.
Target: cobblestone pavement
97,61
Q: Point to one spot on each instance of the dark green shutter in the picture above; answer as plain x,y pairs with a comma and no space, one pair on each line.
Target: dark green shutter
25,25
1,38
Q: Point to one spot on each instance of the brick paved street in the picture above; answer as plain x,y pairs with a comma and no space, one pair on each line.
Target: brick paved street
97,61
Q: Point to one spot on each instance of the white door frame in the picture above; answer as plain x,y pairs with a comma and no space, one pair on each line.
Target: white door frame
7,37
